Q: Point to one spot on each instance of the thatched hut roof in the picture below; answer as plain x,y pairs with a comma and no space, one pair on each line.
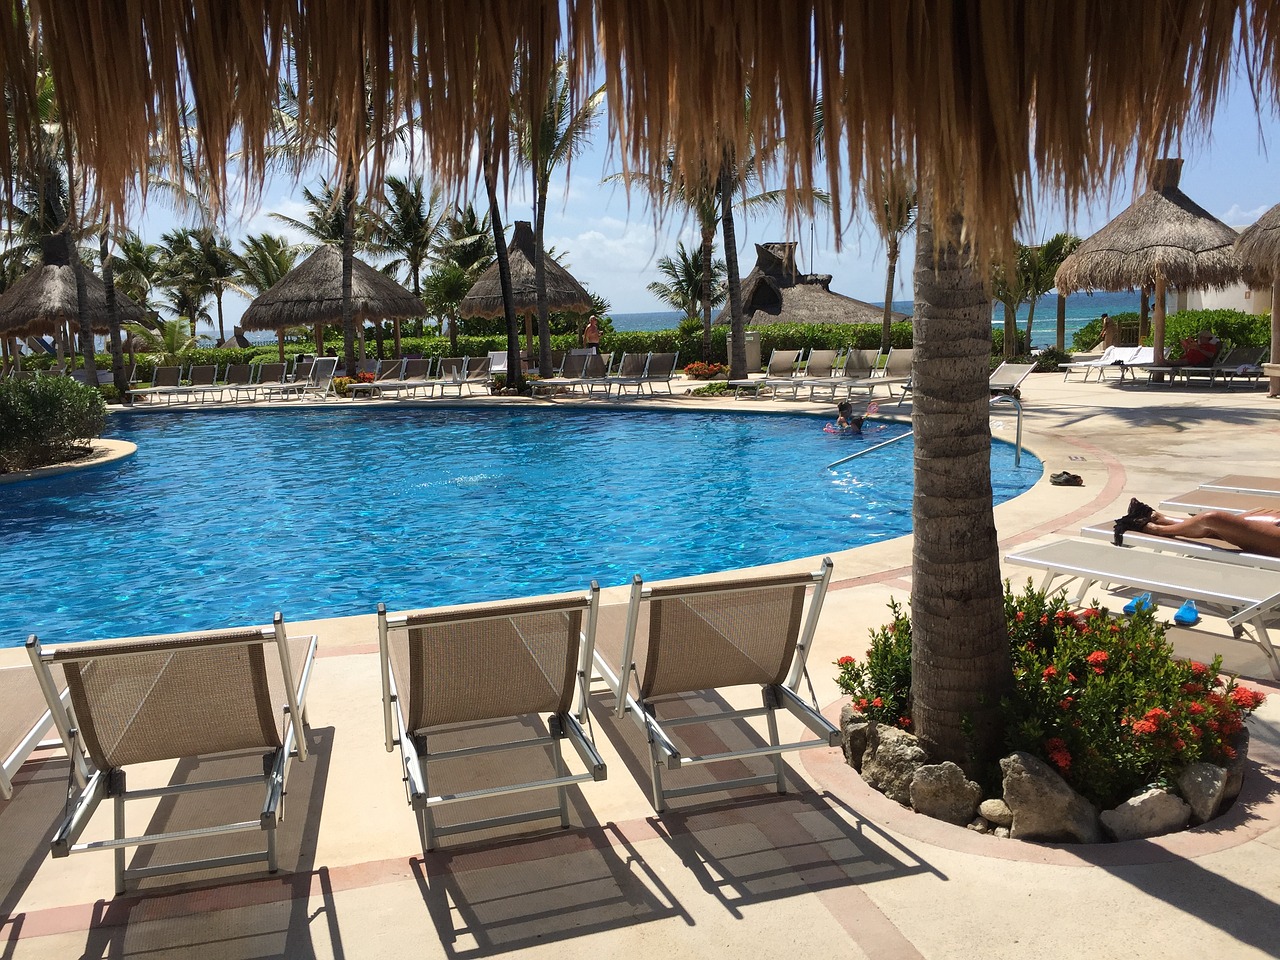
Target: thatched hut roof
1164,233
997,96
564,293
45,298
311,293
776,292
1259,249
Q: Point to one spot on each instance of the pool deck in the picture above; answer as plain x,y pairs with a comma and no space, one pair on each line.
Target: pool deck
829,870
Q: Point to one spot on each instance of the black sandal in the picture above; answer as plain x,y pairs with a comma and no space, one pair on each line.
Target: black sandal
1136,519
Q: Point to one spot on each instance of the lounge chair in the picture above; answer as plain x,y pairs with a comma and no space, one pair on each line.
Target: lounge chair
711,635
319,386
659,370
201,378
819,367
1210,549
895,372
415,376
469,375
190,697
1005,380
294,386
1111,359
480,664
1239,483
388,371
22,724
571,374
164,381
1195,501
859,366
1142,358
1243,363
103,378
1245,596
782,364
237,375
630,372
265,376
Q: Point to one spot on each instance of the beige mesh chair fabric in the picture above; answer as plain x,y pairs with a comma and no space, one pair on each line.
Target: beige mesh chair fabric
631,372
819,368
415,376
475,664
708,636
139,700
782,365
24,721
164,381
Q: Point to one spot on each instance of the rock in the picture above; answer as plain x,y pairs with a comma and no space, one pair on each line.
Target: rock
1235,768
1043,806
1001,832
853,735
891,759
1147,815
1203,785
942,791
979,825
997,811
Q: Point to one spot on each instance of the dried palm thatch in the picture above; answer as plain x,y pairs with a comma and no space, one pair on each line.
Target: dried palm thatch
311,293
1259,249
564,293
45,299
998,96
776,292
1164,234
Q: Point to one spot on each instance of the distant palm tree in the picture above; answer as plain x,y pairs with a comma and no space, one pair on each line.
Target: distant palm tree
467,241
1042,266
410,229
686,280
894,218
262,262
137,269
170,341
1009,286
443,291
216,265
182,272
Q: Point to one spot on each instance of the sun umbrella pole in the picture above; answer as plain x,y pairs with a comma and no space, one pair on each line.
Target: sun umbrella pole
1274,390
319,340
280,342
1157,321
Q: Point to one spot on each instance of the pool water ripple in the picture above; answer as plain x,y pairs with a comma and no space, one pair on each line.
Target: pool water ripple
222,519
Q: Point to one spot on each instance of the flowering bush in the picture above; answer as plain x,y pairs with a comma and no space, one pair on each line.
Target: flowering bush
365,376
699,370
1103,700
342,385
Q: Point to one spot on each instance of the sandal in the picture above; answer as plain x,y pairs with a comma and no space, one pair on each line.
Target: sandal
1136,519
1065,479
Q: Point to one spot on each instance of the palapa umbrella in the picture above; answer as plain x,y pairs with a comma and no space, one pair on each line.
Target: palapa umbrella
1163,238
1259,251
564,293
311,295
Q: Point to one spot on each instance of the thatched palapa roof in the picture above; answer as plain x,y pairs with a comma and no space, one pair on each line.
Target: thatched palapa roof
1259,249
311,293
776,292
1164,234
564,293
45,298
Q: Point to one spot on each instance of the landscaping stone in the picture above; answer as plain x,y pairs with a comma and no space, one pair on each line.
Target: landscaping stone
997,811
1235,769
942,791
1043,806
1001,832
980,825
1149,814
853,735
1203,785
890,761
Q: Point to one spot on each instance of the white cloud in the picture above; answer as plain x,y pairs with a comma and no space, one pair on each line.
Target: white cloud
1237,217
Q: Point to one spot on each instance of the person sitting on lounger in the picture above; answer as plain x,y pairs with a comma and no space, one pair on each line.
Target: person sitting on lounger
1254,531
1200,350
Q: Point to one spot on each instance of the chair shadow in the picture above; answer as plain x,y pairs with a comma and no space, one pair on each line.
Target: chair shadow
494,890
235,911
27,825
754,845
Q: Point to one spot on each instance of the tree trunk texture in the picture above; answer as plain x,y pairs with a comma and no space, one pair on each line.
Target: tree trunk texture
1010,332
222,330
515,379
737,326
118,375
348,252
1062,322
708,250
540,275
85,332
886,331
1031,319
960,653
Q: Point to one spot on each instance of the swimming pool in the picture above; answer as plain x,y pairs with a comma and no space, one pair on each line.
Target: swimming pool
221,519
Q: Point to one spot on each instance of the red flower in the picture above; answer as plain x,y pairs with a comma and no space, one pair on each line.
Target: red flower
1115,628
1066,703
1198,668
1247,699
1071,678
1020,616
1031,646
1193,688
1229,751
1097,660
904,723
1050,672
1144,726
877,702
1195,708
1091,612
844,661
1058,753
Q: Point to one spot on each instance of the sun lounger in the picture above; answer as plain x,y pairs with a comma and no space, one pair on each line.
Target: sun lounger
819,368
571,374
1243,364
190,697
858,367
416,376
237,375
471,373
707,636
1209,549
477,665
163,382
264,376
782,365
319,386
389,371
659,370
1111,359
1246,597
1228,501
630,373
200,382
895,372
293,387
1239,483
1005,380
25,719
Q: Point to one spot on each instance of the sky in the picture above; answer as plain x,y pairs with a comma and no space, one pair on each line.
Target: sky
613,244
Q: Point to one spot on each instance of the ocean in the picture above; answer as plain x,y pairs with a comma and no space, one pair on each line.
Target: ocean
1081,308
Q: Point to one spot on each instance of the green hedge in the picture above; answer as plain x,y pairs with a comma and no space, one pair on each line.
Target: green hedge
47,420
1233,326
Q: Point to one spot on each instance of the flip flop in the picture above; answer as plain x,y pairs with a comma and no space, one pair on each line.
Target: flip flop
1141,602
1187,615
1065,479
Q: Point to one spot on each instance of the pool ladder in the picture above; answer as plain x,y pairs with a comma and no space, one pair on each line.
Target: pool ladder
999,398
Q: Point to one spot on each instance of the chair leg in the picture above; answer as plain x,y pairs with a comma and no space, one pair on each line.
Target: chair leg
561,771
655,763
119,852
771,716
426,819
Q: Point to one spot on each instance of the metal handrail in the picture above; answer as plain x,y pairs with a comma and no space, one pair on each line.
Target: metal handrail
883,443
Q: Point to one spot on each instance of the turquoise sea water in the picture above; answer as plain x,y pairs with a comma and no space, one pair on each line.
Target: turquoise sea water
223,518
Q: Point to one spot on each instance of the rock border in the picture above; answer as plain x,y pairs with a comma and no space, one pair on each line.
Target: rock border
102,452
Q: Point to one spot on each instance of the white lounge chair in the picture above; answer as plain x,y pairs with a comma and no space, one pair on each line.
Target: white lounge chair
319,385
1209,549
139,700
479,664
388,371
23,725
859,366
710,635
1111,359
820,367
659,370
415,376
895,372
1247,597
1239,483
1229,501
164,381
783,364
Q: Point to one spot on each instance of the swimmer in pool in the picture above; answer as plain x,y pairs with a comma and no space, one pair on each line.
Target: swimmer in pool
845,419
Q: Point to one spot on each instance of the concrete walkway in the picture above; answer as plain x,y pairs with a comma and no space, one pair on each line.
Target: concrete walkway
829,870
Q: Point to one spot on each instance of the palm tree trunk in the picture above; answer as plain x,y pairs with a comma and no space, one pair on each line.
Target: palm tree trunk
540,272
959,646
708,251
118,375
348,253
1031,319
515,379
738,355
1010,331
1062,322
886,326
222,330
1157,320
85,332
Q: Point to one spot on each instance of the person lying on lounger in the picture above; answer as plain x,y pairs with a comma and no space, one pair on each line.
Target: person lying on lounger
1255,531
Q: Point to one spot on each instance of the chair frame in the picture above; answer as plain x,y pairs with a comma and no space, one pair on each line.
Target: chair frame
414,752
33,741
97,785
663,751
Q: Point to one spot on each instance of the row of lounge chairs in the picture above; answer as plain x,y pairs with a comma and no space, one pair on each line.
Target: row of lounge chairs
1242,587
1235,364
826,374
261,381
119,703
592,372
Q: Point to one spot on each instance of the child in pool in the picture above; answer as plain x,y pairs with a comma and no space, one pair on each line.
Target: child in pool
845,419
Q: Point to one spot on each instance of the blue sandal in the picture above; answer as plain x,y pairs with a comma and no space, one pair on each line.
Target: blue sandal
1187,615
1141,602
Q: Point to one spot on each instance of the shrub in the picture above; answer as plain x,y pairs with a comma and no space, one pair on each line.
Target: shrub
704,371
1232,326
1047,360
342,385
716,388
1103,700
1090,335
47,420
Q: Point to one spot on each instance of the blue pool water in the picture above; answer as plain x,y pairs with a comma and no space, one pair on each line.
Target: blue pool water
221,519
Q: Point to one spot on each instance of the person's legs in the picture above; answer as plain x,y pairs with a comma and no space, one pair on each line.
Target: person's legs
1257,531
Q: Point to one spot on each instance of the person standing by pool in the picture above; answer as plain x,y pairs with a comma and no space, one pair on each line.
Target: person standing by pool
591,336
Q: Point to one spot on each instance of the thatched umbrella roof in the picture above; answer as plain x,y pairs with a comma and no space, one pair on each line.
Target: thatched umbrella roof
564,293
775,292
1164,238
1259,251
43,300
311,293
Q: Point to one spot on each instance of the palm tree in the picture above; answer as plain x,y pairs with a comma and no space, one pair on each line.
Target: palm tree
216,265
686,281
262,262
515,370
137,269
726,185
443,291
544,143
1042,266
1009,286
170,341
411,228
895,217
182,272
468,241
